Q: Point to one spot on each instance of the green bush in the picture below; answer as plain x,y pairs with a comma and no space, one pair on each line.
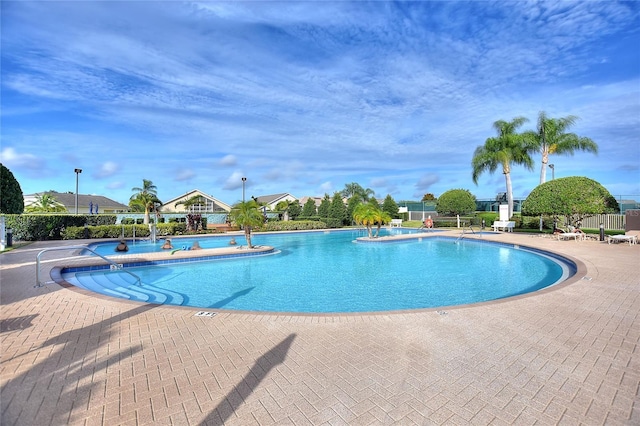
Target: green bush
116,231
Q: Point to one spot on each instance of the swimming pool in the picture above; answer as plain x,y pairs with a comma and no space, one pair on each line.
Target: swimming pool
327,272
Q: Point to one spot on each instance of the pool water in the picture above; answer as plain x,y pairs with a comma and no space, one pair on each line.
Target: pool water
330,272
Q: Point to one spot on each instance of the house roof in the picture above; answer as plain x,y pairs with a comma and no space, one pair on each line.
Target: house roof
195,192
68,200
273,198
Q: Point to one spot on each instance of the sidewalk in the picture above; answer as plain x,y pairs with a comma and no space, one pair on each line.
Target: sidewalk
567,355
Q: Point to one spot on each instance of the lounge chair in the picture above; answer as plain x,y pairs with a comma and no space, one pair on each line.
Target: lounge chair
571,234
630,236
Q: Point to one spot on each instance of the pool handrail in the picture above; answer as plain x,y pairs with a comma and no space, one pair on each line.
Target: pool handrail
111,262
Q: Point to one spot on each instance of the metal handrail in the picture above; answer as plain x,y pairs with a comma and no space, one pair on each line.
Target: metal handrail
111,262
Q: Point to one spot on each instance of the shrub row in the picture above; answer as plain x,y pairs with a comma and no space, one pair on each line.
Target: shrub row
38,227
117,231
293,225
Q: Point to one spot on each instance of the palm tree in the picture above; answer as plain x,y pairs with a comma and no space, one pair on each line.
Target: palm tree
145,197
351,189
382,217
45,203
507,148
551,138
365,214
247,215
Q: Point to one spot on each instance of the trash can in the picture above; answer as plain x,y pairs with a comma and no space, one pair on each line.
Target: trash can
9,237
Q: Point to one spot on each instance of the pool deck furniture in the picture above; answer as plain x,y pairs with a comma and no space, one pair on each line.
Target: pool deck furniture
504,225
631,237
578,236
564,355
396,223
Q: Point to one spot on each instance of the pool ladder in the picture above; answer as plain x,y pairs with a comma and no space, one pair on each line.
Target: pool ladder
113,264
470,227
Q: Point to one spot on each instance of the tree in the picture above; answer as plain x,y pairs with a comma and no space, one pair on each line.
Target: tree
572,197
381,217
351,189
145,197
365,214
504,150
247,215
428,197
550,138
390,206
352,203
309,208
11,197
338,210
45,203
456,202
325,207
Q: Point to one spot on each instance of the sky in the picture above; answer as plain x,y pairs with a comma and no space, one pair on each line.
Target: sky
305,97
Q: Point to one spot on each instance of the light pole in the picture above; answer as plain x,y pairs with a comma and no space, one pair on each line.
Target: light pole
553,171
244,179
78,171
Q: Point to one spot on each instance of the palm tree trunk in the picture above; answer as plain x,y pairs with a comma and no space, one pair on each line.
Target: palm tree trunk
507,177
247,235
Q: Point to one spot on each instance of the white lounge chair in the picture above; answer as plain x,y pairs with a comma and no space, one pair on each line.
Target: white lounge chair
578,236
631,237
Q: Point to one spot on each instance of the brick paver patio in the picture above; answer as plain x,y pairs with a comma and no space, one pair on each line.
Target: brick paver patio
568,355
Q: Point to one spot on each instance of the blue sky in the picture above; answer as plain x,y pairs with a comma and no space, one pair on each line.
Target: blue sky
305,97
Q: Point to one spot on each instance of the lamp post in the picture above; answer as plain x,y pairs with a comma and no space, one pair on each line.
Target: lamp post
244,179
78,171
553,171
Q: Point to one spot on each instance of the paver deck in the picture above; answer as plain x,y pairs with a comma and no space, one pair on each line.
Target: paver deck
568,355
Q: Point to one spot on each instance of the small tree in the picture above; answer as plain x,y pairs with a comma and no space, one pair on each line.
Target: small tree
338,210
572,197
365,214
247,215
294,210
352,204
456,202
325,206
309,208
428,197
390,207
11,197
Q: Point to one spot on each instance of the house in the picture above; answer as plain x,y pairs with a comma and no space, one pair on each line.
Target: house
206,204
271,201
87,203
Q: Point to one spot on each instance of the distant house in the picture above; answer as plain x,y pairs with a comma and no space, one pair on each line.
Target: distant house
207,204
317,201
87,203
271,201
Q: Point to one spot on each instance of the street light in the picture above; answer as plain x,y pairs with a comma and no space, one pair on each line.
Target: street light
244,179
78,171
553,171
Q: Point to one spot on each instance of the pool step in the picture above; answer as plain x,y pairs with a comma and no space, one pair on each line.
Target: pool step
118,284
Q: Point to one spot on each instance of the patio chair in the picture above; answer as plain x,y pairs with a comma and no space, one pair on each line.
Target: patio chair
630,236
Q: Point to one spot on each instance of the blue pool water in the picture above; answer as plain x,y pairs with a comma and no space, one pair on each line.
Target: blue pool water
329,272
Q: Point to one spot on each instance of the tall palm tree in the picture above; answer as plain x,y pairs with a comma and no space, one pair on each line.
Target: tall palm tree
247,215
45,203
145,197
504,150
550,138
